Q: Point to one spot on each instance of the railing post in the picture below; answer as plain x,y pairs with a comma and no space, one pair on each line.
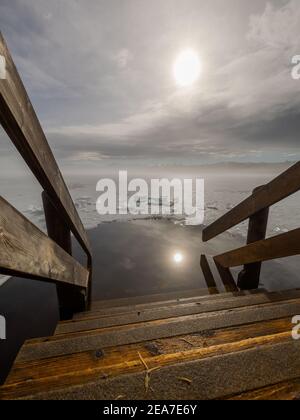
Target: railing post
71,299
248,279
208,276
227,278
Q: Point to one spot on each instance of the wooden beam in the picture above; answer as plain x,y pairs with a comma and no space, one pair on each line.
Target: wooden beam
283,391
248,279
19,120
70,299
208,275
26,251
227,278
281,246
281,187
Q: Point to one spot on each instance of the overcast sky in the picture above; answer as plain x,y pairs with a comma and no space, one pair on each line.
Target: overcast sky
99,74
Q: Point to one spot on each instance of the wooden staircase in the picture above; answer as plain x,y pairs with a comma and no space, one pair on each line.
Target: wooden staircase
226,346
236,345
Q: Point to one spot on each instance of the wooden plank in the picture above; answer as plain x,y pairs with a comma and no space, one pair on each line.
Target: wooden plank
169,312
28,252
284,391
84,316
249,278
226,277
120,311
207,379
115,336
19,120
160,299
70,299
278,189
208,275
281,246
59,372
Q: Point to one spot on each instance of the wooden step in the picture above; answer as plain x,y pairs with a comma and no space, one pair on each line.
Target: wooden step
97,313
211,378
128,334
230,346
139,300
283,391
209,305
197,366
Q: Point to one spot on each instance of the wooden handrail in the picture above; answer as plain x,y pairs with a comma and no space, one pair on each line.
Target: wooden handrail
258,249
27,252
278,189
19,120
281,246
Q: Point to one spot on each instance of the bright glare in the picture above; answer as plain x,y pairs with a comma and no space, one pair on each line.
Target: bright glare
178,258
187,68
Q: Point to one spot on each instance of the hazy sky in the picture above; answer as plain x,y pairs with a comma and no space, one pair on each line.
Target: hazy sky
99,73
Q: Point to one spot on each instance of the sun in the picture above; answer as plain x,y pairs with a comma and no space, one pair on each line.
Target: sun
178,258
187,68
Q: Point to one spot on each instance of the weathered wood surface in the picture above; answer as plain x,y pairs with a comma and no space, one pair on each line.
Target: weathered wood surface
200,357
281,246
278,189
208,275
226,277
60,345
28,252
211,305
155,299
70,299
202,301
249,278
96,312
55,373
283,391
56,228
200,379
19,120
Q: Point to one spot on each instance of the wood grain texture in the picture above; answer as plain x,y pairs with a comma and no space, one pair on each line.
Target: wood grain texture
281,246
28,252
208,275
283,391
55,373
78,342
209,378
156,299
96,312
90,315
278,189
70,299
211,305
19,120
249,278
226,277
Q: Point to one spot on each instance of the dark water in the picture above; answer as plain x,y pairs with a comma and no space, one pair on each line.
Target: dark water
30,309
130,259
137,258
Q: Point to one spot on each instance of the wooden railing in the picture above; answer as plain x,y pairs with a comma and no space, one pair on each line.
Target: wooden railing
258,248
24,249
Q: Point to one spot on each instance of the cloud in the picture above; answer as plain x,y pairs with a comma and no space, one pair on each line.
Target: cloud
123,57
43,83
87,156
277,27
103,87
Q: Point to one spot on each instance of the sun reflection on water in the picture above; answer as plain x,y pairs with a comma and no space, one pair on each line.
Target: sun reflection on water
178,258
